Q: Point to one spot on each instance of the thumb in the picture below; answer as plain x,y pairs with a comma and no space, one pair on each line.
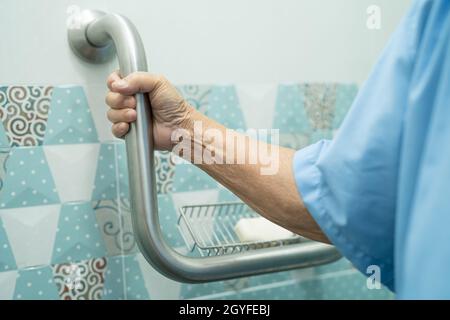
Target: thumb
137,82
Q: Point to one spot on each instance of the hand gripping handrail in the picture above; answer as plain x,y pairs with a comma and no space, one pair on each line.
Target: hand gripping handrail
95,37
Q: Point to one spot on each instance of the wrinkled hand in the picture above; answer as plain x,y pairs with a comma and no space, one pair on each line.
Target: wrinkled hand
170,110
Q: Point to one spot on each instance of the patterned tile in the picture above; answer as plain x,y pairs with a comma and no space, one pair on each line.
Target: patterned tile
319,103
114,220
78,235
24,112
80,270
80,281
124,280
70,119
196,95
35,284
165,170
28,181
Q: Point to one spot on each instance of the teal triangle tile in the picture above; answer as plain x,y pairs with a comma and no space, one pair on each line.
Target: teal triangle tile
24,112
290,116
168,220
7,261
346,94
124,280
78,235
36,284
111,178
70,120
226,195
190,178
27,180
224,107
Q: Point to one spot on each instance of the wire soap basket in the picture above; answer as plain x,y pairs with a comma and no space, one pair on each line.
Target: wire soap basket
209,229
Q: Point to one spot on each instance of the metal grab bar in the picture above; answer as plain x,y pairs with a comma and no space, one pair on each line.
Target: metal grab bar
96,37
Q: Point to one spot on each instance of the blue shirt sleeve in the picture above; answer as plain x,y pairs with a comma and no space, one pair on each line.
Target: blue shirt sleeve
349,184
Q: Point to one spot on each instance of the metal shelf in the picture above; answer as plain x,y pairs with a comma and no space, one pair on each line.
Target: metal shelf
209,229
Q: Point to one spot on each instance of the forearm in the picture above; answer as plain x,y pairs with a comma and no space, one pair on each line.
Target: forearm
235,161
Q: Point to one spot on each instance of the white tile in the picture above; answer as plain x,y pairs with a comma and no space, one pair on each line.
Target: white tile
7,284
73,168
258,104
158,286
31,233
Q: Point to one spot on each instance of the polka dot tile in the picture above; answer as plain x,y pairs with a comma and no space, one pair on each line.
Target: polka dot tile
226,195
168,217
190,178
80,281
7,261
290,115
124,280
224,107
35,284
78,236
27,181
111,179
70,119
114,220
24,112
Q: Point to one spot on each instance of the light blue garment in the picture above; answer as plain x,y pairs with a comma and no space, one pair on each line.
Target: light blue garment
381,189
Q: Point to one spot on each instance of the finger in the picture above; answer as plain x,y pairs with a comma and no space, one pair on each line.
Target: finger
115,76
120,129
137,82
118,101
122,115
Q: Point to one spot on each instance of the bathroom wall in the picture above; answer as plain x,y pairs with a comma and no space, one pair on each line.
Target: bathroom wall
64,210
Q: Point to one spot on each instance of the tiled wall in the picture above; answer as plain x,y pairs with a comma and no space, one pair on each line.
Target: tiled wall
65,230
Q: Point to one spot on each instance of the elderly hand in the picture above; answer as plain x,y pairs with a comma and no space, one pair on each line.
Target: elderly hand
170,110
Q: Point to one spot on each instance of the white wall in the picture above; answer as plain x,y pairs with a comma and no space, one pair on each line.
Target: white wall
202,41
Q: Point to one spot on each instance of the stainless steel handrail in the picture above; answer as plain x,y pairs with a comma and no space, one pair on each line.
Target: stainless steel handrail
95,37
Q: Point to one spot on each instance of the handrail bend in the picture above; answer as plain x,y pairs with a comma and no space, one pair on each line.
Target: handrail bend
96,38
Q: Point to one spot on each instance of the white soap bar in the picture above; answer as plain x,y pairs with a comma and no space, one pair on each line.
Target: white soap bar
260,229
